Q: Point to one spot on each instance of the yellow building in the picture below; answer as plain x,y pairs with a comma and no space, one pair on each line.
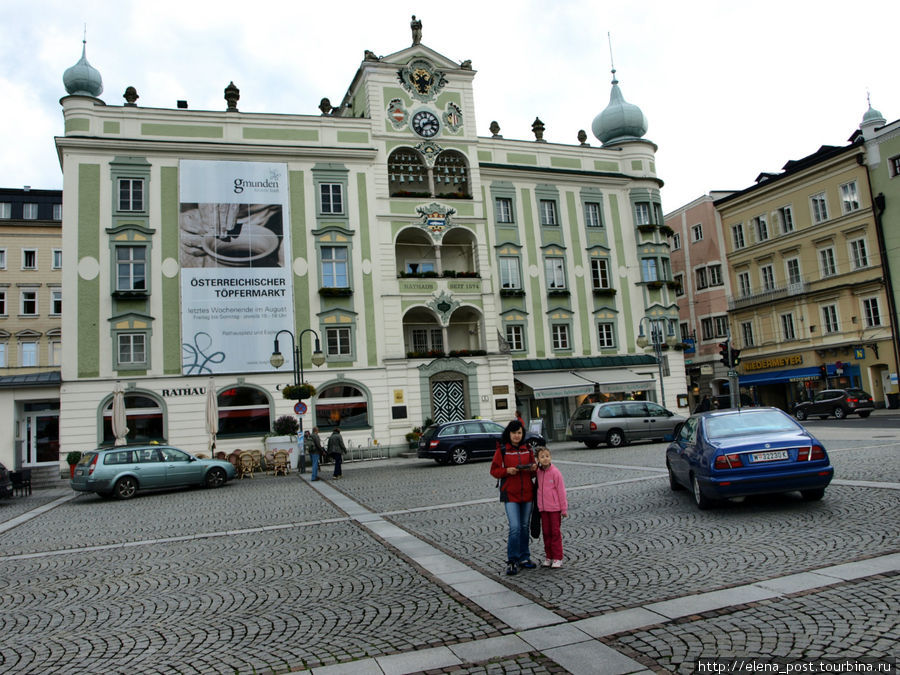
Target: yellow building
808,308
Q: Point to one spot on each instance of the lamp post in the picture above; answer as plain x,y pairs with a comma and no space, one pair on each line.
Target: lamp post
656,327
277,358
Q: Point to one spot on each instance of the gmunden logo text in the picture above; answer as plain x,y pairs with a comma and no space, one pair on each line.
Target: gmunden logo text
267,185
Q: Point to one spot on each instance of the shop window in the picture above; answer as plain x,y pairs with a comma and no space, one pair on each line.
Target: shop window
144,418
342,405
243,411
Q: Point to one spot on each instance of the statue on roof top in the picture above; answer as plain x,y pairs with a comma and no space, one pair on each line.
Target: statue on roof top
416,26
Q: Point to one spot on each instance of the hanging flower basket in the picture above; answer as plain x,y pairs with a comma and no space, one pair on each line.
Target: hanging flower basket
298,392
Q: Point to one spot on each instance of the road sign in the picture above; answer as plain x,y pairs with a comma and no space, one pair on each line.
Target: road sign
732,373
300,408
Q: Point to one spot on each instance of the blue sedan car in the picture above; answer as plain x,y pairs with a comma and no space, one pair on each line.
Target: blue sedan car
751,451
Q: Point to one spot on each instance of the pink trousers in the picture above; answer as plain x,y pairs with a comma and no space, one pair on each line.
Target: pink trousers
550,521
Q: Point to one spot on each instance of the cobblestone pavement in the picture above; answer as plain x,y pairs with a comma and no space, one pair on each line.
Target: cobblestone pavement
272,575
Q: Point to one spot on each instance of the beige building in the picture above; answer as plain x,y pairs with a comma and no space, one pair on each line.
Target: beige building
808,308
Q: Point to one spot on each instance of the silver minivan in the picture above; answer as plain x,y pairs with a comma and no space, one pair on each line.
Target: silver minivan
620,422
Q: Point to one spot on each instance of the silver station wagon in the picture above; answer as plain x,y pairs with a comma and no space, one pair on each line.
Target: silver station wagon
121,471
619,422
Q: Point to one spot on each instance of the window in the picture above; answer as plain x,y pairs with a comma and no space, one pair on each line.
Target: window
744,284
29,306
679,284
737,235
548,212
55,347
2,303
793,271
56,302
2,355
131,268
859,258
893,163
606,338
767,275
30,211
334,267
599,273
29,259
676,241
697,232
702,281
830,318
515,336
715,275
2,258
685,332
721,324
131,194
642,213
818,207
762,228
707,332
132,349
504,210
747,333
560,336
343,405
826,261
786,217
56,263
648,269
419,266
849,197
592,214
872,312
337,342
427,339
28,354
787,327
57,212
509,272
555,273
332,197
144,418
5,210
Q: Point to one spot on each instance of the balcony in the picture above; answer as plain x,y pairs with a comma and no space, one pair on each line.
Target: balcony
767,296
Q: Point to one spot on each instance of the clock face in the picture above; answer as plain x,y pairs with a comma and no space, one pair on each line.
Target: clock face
425,124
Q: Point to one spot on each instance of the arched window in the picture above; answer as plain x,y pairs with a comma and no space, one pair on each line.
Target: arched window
243,411
407,174
143,416
342,405
451,175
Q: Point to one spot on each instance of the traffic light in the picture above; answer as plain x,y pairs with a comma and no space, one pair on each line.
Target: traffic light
735,357
725,354
823,372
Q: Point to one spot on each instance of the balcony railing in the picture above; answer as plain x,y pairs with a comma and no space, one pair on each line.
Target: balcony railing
770,295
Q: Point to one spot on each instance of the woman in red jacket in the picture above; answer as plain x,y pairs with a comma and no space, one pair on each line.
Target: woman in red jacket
514,467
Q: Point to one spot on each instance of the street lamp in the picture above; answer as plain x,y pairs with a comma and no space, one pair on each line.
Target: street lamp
656,326
277,358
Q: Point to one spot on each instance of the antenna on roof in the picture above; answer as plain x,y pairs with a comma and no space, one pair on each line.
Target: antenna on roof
611,62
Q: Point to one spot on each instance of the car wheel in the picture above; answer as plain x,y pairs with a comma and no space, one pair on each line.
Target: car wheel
674,485
703,502
800,414
215,478
812,495
865,414
615,438
125,487
839,413
459,455
592,444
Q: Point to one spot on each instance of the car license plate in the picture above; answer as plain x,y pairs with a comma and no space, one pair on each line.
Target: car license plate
577,427
771,456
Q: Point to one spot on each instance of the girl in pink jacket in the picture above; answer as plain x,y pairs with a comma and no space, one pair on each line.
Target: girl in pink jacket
553,506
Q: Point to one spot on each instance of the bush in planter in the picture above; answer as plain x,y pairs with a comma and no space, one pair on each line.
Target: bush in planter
73,458
298,392
286,425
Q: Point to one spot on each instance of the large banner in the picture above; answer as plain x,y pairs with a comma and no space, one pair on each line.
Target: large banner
236,290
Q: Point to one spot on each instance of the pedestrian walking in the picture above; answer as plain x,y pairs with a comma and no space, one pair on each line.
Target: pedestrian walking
514,466
553,505
336,450
315,451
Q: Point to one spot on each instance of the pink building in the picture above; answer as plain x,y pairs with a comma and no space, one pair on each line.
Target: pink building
699,263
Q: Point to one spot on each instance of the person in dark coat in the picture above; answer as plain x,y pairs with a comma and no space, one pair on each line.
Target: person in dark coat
703,406
336,449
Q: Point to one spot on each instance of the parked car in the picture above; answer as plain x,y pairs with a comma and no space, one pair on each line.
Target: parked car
619,422
6,487
752,451
837,402
121,471
462,440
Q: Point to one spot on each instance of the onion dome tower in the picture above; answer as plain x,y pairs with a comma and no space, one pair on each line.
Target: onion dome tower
621,121
83,79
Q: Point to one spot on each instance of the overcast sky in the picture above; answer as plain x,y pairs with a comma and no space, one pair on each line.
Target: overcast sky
730,89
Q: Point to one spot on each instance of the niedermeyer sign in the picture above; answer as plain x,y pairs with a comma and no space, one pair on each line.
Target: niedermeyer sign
235,259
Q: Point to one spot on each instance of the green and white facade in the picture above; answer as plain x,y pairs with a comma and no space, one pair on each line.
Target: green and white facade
448,275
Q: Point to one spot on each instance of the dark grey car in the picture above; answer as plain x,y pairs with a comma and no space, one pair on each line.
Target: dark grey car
619,422
837,402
